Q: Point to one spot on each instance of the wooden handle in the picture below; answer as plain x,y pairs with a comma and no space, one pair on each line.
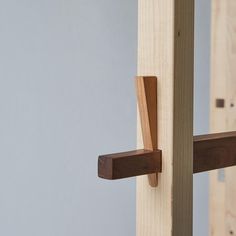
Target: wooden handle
147,103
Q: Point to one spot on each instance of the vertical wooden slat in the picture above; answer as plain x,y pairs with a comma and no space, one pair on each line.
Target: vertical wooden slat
217,114
165,50
223,86
230,174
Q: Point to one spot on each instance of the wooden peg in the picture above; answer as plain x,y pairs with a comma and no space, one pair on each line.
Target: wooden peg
129,164
147,103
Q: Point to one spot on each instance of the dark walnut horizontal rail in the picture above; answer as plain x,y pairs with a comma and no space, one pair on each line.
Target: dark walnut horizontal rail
214,151
211,151
129,164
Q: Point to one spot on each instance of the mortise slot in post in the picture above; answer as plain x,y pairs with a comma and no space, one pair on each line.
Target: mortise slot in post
220,103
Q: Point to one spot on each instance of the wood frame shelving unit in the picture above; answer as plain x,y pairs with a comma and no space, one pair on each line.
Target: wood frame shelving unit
167,151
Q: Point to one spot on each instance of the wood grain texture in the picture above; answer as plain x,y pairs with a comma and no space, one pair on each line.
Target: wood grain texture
211,151
147,103
214,151
223,86
165,50
230,173
129,164
217,116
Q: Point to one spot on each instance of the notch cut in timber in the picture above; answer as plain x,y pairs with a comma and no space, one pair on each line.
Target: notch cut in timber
146,88
211,151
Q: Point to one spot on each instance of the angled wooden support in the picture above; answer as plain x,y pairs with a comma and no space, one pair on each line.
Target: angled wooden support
147,104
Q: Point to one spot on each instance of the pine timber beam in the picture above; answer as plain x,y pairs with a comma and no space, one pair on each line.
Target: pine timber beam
222,192
166,50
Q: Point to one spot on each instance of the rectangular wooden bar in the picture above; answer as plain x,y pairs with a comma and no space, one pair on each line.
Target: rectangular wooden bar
214,151
129,164
210,152
222,193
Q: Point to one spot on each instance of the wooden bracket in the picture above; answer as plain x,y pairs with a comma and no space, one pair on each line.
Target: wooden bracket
212,151
138,162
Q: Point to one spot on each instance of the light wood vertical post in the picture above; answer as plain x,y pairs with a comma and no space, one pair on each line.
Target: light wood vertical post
223,118
165,50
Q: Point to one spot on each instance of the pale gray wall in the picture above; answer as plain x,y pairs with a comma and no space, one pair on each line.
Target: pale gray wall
201,108
67,95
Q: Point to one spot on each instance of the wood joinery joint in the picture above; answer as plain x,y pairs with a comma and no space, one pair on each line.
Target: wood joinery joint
138,162
211,151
